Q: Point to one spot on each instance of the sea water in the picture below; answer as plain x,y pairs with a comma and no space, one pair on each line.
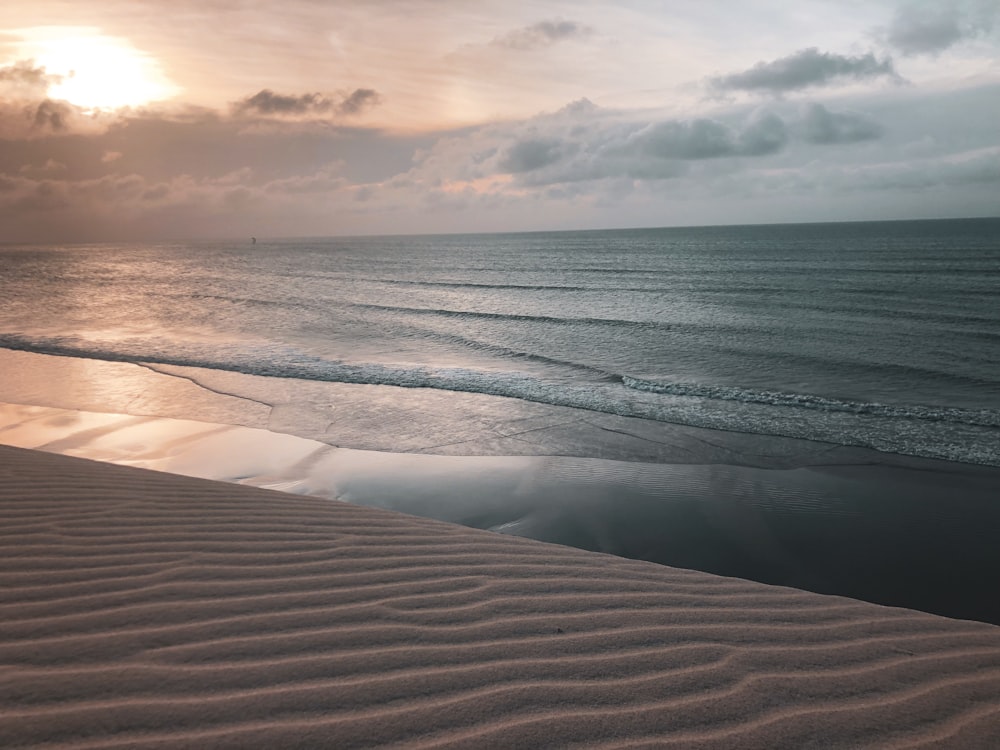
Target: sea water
883,335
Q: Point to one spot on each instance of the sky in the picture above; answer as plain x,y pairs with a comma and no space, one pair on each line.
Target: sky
127,120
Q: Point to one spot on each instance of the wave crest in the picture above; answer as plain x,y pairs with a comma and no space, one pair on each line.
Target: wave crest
979,417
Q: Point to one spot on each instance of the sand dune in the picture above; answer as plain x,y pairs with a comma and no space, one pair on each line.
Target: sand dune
147,610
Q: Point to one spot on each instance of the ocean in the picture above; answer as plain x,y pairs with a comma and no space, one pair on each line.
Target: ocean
778,349
882,335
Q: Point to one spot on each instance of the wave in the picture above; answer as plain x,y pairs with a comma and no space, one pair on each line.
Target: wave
517,355
934,432
602,288
475,314
685,328
472,285
979,417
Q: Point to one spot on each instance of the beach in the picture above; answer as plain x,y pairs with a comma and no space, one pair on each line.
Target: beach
889,529
714,487
145,609
482,375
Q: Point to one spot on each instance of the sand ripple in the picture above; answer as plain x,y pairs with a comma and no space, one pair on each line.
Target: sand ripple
145,610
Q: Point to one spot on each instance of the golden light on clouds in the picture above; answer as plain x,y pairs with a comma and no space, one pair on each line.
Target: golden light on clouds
92,70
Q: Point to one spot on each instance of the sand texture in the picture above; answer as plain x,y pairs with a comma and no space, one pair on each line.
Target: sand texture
148,610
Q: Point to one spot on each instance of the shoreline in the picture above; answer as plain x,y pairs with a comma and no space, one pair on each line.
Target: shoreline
902,534
151,610
410,420
891,529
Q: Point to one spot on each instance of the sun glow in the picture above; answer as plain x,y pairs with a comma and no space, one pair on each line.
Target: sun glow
95,71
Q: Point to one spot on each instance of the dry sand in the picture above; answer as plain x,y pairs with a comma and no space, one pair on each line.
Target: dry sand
148,610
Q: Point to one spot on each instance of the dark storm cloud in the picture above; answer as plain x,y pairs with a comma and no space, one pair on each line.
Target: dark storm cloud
928,28
267,103
805,68
542,34
820,125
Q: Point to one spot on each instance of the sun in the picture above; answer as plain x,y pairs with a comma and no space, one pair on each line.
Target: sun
95,71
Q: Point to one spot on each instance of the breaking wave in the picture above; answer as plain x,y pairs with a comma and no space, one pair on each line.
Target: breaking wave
937,432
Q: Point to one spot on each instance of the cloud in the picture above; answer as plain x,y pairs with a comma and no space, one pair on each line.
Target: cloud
531,154
24,77
57,208
915,30
62,208
805,68
26,111
24,108
658,149
49,167
27,119
929,28
583,143
694,140
820,125
156,173
52,115
542,34
697,139
266,103
163,148
980,167
324,181
358,100
765,134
